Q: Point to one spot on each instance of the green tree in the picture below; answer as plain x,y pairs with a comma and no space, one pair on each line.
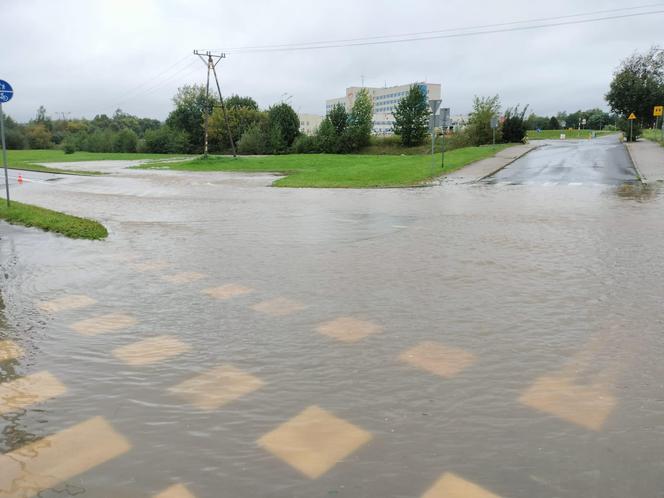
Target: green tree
638,86
283,125
360,122
479,122
240,119
411,117
339,118
327,136
166,140
554,124
191,106
237,102
514,125
38,136
125,140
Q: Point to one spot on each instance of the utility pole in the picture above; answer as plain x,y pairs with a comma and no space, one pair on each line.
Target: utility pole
211,60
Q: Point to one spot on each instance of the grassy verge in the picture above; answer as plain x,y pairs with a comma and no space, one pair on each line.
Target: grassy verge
51,221
654,135
342,170
28,159
570,134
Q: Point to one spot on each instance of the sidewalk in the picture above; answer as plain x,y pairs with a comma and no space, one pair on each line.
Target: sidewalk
481,169
648,159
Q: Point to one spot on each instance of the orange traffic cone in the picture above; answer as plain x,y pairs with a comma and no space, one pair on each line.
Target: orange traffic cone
20,179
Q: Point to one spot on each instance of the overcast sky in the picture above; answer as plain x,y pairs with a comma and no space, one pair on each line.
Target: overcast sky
87,57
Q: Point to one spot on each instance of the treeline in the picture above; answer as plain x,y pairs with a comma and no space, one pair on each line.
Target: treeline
595,119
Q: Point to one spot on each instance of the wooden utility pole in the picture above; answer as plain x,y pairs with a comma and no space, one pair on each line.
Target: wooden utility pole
211,60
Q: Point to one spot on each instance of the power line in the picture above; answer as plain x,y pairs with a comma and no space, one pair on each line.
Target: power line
448,30
379,40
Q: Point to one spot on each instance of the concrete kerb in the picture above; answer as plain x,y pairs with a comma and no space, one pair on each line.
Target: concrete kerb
511,161
642,178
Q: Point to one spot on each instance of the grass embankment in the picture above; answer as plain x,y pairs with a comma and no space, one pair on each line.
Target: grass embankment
28,159
51,221
569,134
654,135
341,170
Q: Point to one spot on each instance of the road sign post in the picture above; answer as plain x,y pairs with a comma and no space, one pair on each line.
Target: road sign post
444,124
631,119
6,94
494,127
658,111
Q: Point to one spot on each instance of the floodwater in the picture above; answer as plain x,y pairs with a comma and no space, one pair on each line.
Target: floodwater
230,340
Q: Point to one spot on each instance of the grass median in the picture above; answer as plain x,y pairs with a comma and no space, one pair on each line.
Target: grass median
52,221
569,134
28,160
341,170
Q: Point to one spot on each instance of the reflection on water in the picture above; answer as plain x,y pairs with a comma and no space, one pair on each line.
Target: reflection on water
474,341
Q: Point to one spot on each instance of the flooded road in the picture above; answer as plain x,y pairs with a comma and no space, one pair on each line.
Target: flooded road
230,340
604,161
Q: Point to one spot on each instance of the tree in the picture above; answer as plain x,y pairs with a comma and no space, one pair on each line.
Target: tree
514,126
125,140
411,117
360,121
339,118
283,125
479,122
240,119
38,136
166,140
554,124
638,86
191,106
236,102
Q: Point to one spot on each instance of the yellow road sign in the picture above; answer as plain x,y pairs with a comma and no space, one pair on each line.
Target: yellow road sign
632,117
657,111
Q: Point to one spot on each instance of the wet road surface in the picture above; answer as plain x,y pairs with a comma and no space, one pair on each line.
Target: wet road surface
602,161
231,340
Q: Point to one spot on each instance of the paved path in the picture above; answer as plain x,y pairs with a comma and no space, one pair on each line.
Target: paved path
486,167
602,161
648,158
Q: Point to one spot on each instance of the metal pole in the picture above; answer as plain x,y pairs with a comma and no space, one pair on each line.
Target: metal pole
4,152
442,149
631,123
433,140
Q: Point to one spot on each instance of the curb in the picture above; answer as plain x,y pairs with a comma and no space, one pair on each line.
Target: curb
508,163
642,178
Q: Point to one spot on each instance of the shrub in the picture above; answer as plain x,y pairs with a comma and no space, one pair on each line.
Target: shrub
253,141
166,140
16,139
69,147
125,140
514,127
306,144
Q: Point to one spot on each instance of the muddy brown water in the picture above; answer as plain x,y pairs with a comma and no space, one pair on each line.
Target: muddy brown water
537,311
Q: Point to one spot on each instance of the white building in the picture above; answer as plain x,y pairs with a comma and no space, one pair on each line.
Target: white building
384,101
309,123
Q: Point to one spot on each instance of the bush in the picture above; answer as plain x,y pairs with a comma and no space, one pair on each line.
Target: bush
69,147
306,144
514,127
125,140
253,141
166,140
16,139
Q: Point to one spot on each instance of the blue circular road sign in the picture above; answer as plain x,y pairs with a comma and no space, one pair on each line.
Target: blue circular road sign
6,92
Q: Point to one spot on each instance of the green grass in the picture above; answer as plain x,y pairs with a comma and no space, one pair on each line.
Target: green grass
27,159
654,135
341,170
571,134
51,221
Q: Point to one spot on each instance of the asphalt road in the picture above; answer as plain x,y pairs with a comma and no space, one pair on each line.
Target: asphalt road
602,161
